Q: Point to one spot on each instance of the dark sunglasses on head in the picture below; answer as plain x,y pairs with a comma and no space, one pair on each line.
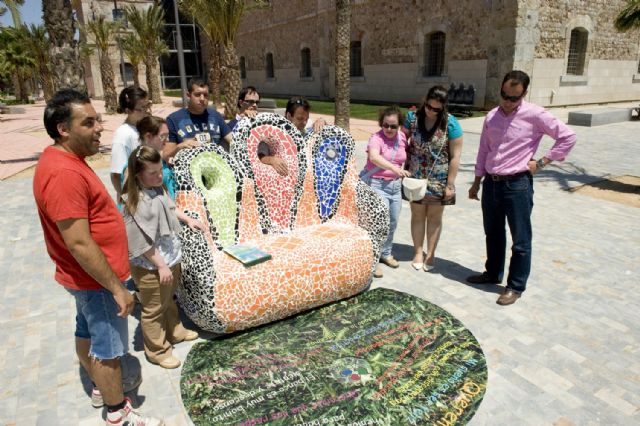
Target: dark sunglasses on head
436,110
504,96
390,126
251,102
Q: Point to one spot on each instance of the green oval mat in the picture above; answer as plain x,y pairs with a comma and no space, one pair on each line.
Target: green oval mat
380,358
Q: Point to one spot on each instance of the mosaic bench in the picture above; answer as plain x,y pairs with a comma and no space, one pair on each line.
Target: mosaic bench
321,224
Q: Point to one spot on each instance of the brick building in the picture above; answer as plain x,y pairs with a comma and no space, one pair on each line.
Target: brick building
400,49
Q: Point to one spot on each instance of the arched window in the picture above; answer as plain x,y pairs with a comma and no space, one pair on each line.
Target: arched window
577,51
243,67
270,73
434,54
305,62
355,66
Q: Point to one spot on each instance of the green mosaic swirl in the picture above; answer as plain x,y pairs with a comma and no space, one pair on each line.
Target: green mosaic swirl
380,358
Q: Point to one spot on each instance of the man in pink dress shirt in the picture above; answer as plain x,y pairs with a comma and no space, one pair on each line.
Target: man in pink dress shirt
510,137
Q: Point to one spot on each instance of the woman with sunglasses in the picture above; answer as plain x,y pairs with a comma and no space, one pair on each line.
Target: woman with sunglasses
434,155
386,154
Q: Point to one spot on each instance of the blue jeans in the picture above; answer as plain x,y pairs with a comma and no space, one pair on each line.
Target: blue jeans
390,191
513,200
97,320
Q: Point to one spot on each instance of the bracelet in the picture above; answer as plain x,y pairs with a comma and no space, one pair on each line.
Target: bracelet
451,186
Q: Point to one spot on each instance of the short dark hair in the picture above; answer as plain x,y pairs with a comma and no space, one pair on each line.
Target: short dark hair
196,81
295,103
246,91
59,110
518,77
129,97
392,110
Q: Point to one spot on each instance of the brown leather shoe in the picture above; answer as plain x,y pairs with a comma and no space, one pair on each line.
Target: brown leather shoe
378,272
390,261
482,278
169,363
508,297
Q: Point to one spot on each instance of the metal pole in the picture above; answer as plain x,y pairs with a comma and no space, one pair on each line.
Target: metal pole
123,74
183,74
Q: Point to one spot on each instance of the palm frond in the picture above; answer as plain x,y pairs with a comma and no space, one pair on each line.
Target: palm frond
629,18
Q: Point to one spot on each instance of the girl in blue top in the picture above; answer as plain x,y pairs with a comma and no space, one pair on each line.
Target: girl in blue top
434,155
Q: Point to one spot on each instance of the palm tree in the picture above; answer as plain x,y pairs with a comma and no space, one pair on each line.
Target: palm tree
65,56
219,20
135,52
38,44
12,6
148,25
629,17
17,58
210,30
103,33
343,38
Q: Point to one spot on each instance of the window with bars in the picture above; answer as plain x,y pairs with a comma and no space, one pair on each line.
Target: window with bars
355,65
577,51
243,67
305,62
269,69
434,54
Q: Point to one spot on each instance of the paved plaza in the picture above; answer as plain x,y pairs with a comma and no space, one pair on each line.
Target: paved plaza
568,352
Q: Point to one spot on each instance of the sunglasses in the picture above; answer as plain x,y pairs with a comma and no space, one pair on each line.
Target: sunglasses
436,110
251,102
504,96
390,126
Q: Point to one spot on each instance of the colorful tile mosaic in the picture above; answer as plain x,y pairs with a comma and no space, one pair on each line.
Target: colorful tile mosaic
380,358
322,226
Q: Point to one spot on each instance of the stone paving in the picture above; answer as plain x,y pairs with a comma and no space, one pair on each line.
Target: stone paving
568,352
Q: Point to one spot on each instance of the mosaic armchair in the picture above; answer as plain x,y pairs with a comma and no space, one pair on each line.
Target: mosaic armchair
321,224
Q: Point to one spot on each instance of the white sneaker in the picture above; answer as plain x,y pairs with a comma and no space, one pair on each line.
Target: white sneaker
128,417
130,380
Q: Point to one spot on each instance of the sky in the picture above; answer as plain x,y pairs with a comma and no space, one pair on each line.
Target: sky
31,12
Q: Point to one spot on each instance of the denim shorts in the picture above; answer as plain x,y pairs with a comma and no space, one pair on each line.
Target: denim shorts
97,319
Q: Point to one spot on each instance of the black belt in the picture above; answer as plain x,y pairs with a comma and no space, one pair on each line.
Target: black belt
498,178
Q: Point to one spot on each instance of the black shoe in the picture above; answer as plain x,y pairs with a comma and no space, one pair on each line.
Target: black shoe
482,278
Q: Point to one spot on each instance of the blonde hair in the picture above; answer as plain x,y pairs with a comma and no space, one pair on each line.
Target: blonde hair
137,160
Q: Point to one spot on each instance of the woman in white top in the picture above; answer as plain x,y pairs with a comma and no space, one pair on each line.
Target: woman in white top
133,101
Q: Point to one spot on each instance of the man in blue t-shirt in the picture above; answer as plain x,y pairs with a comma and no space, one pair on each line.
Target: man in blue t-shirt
196,124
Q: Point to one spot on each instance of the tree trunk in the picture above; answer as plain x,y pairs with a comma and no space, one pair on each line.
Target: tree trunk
18,86
65,57
214,72
136,74
153,87
343,38
46,80
231,78
22,94
108,83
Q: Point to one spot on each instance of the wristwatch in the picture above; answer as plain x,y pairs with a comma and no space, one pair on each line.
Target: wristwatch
540,164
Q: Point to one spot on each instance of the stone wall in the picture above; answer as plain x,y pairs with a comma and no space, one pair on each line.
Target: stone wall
558,17
393,42
484,40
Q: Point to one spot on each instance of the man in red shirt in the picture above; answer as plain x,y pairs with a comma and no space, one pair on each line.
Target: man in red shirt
86,239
